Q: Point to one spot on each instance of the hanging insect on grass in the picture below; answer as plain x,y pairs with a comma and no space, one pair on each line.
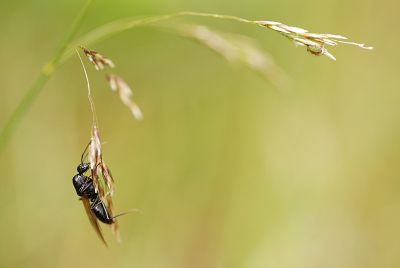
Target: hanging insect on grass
93,195
96,194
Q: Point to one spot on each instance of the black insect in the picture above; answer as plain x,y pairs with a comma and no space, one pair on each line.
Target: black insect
83,184
100,210
92,201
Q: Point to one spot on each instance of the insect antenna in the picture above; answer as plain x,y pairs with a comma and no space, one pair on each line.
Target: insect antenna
83,154
126,212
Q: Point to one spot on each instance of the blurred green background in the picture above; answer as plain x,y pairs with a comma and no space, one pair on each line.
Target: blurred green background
228,170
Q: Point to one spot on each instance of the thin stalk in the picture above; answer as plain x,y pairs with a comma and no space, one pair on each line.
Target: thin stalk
37,86
314,42
92,107
115,27
65,52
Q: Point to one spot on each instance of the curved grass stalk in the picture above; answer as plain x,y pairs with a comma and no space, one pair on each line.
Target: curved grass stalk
65,52
92,107
46,72
314,43
115,27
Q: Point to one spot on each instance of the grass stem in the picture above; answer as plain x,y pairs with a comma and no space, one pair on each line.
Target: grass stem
41,80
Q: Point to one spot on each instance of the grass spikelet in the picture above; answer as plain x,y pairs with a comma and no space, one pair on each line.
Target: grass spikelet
98,60
116,83
315,42
124,92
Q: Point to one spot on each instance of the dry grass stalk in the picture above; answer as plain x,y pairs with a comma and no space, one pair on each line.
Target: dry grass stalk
116,83
98,166
99,169
315,42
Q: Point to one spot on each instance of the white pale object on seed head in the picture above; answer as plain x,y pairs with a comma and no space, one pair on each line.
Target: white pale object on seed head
356,44
278,29
268,22
313,35
294,29
329,42
137,113
335,36
112,82
326,53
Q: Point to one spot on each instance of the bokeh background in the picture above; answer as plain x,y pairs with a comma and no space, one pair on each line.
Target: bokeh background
229,169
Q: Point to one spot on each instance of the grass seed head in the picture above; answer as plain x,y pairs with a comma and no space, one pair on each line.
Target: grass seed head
112,82
315,42
98,60
107,176
125,94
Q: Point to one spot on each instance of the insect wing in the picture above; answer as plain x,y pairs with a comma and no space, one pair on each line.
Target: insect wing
92,218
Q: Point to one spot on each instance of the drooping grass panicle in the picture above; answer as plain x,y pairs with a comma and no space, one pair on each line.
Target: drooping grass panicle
101,170
116,83
124,92
314,42
107,176
296,34
98,60
97,166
